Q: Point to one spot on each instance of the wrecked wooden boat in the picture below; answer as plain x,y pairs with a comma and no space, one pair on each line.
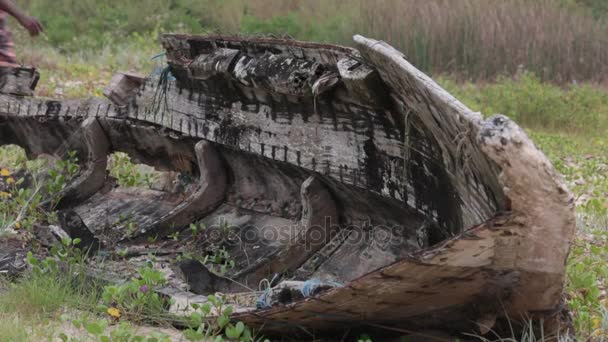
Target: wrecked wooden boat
353,185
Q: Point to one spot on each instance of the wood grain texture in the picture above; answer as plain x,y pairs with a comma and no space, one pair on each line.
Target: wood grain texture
433,217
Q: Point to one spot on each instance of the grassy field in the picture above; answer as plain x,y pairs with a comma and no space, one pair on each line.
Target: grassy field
560,40
543,63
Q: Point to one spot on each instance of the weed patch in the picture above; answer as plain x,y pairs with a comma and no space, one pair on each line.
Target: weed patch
129,174
577,109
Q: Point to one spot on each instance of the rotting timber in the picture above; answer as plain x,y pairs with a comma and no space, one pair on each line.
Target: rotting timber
343,165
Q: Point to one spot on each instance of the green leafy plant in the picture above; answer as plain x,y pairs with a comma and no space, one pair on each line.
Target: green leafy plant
23,206
60,175
219,262
66,254
136,299
174,236
197,229
127,224
364,338
20,206
124,332
57,282
129,174
211,322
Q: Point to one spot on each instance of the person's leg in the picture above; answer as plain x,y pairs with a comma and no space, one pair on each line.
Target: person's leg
7,47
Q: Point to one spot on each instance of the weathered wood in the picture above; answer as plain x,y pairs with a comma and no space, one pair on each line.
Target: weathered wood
122,87
438,219
18,81
209,194
94,160
318,224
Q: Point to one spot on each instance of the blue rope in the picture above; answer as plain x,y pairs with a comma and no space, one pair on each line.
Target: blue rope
162,54
311,285
263,301
160,69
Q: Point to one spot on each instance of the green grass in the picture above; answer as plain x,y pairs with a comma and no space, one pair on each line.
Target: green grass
57,298
559,40
41,296
587,280
577,109
31,308
12,157
583,161
16,328
129,174
86,72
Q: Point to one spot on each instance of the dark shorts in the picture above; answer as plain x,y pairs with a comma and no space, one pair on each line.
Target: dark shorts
7,48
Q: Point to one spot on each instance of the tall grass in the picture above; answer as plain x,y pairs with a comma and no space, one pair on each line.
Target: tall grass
475,39
484,39
580,109
38,296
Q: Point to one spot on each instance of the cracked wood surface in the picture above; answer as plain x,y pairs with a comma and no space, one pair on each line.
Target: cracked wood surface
281,138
